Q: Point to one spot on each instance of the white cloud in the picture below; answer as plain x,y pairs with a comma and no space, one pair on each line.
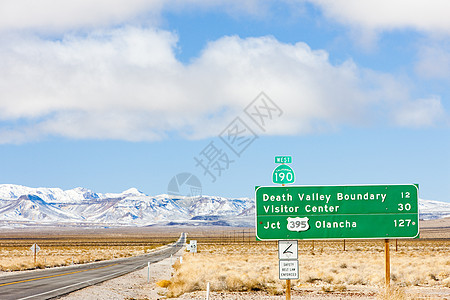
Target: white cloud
127,84
420,113
432,16
434,62
369,15
59,16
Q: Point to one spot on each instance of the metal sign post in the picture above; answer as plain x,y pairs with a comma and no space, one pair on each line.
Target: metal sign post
35,249
387,264
287,250
288,263
291,213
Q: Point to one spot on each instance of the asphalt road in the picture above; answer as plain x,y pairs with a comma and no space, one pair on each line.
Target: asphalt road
50,283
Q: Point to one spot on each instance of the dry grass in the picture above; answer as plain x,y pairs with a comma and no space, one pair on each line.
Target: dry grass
21,258
61,250
252,267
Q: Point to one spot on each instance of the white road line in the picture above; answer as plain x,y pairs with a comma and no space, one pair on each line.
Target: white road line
68,286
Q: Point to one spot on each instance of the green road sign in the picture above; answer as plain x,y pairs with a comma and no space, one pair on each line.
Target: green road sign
329,212
283,174
283,159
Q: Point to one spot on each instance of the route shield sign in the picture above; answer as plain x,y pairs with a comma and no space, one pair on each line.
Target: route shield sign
340,212
283,174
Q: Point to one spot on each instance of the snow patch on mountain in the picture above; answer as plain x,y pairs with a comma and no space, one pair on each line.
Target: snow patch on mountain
32,207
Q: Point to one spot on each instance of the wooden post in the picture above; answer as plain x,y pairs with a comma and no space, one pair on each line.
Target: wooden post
396,247
387,265
288,289
344,244
313,245
35,257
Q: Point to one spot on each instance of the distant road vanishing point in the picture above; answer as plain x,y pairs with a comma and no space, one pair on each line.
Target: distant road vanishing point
51,283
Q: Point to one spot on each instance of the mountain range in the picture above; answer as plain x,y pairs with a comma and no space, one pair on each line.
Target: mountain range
20,205
25,206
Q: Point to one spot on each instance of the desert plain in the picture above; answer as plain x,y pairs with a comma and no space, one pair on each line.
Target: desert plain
236,266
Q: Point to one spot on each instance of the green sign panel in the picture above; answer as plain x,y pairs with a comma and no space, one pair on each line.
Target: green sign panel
337,212
283,159
283,174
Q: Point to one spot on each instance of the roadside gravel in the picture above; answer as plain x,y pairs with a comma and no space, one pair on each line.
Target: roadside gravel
131,286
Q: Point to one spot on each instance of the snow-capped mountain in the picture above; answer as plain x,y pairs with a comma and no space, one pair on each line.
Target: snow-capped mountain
131,207
430,209
80,206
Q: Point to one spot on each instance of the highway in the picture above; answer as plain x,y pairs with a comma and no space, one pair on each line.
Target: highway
50,283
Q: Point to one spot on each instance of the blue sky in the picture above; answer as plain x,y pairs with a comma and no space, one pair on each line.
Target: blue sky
130,94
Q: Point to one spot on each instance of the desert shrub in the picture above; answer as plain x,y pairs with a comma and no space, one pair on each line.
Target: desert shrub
394,293
163,283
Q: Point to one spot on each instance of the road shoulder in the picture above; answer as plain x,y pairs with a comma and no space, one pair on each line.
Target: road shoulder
130,286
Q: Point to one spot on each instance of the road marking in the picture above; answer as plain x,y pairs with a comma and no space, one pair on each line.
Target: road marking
68,286
51,276
78,283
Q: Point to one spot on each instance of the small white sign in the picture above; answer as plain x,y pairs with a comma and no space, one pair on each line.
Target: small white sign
193,246
288,269
288,249
35,248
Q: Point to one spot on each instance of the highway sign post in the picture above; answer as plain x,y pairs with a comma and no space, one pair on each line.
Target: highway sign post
284,174
35,249
288,263
337,212
193,246
331,212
